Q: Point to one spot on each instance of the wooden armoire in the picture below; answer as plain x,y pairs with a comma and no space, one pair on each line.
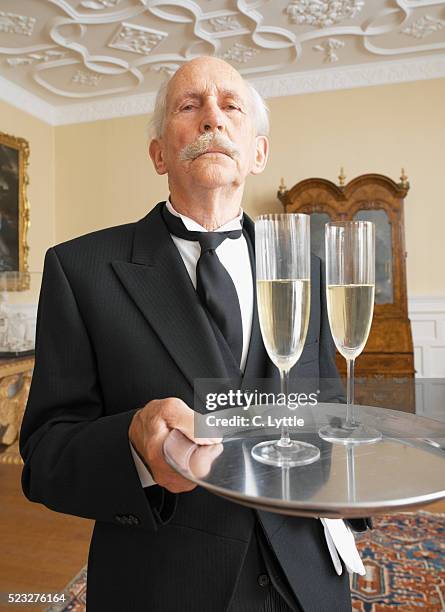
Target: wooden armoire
385,370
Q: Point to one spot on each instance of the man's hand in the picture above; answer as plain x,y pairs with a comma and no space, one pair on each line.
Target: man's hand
148,430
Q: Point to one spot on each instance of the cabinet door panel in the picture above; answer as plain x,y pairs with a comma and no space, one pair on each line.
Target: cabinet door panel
384,288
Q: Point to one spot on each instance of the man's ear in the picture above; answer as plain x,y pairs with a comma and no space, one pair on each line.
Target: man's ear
261,154
156,153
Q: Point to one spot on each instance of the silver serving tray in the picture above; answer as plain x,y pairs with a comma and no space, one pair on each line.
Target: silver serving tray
403,471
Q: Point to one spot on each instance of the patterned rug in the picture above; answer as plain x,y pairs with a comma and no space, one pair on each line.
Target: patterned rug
404,556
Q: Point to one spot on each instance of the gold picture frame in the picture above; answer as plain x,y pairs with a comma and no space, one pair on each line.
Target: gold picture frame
14,206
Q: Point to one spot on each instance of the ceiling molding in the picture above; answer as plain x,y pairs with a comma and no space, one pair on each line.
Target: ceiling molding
26,101
349,77
124,106
311,81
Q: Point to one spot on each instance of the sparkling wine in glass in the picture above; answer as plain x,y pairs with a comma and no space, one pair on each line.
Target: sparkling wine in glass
350,283
282,245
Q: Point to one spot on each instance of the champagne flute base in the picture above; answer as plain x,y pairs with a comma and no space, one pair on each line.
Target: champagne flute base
350,434
296,453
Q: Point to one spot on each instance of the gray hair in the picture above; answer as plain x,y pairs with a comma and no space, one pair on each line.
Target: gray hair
260,111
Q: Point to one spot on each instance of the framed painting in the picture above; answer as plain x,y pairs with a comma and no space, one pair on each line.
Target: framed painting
14,205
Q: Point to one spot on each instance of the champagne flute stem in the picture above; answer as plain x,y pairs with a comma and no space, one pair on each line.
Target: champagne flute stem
285,488
284,378
350,466
350,421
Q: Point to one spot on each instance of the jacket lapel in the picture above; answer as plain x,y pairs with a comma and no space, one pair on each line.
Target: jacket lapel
157,281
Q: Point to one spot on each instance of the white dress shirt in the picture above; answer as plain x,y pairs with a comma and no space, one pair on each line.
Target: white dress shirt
234,256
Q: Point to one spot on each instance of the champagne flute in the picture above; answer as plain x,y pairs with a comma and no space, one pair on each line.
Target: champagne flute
282,244
350,285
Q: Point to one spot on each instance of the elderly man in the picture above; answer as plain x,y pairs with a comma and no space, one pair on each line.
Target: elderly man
129,317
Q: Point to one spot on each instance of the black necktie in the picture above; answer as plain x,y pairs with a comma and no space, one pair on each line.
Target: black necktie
214,284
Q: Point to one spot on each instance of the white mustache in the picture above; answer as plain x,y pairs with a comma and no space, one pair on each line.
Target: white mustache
202,145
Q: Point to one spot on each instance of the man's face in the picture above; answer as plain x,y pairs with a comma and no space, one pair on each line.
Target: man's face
209,133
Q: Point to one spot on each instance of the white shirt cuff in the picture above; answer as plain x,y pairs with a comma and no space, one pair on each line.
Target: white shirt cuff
341,543
144,475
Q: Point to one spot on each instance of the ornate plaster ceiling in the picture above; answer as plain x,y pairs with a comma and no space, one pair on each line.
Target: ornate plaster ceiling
75,60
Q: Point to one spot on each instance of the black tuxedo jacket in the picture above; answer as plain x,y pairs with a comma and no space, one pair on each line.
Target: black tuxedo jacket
120,324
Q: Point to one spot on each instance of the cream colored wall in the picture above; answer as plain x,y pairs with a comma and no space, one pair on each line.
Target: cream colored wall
103,177
374,129
41,190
